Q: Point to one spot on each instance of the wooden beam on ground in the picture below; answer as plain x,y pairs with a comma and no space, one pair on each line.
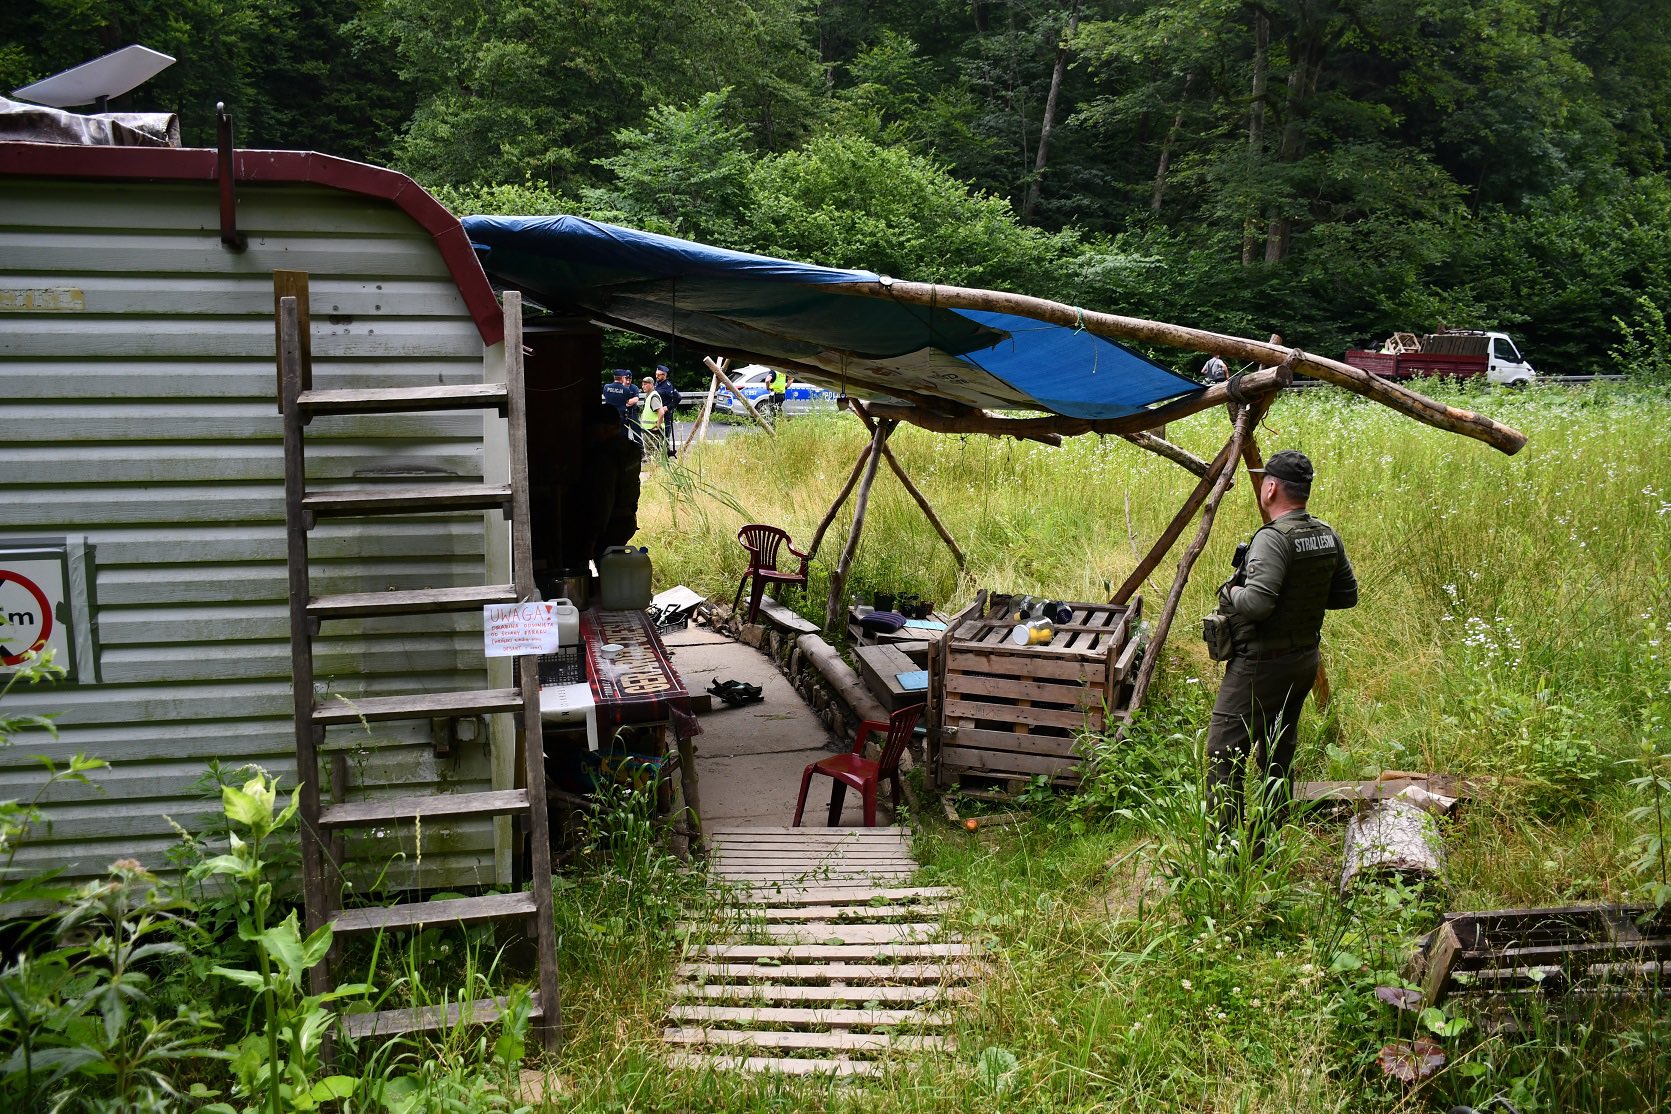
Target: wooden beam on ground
1405,401
841,497
1232,451
838,579
718,368
922,500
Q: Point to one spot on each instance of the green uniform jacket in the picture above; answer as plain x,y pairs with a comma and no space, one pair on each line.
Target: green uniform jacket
1296,569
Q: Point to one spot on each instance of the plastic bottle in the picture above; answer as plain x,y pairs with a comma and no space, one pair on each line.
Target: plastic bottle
568,622
624,579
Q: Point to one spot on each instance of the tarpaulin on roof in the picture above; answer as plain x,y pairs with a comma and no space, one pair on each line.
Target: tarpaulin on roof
776,310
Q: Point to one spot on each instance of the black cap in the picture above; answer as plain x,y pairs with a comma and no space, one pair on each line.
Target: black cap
663,369
620,371
1290,465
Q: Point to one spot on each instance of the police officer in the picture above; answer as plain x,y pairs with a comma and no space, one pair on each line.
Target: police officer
622,395
1294,570
671,398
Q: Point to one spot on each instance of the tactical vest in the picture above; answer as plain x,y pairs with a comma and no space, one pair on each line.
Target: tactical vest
1313,556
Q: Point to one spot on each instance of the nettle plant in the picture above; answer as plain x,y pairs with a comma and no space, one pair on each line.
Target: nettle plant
277,1065
18,817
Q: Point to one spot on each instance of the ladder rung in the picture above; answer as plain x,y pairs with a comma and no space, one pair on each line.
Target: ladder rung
358,813
483,1011
416,601
421,705
407,500
397,400
417,914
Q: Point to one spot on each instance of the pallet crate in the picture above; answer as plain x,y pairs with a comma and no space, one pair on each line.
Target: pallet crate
1011,713
1580,951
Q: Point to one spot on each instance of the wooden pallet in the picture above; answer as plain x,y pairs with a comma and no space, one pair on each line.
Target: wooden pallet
806,975
1008,712
1508,952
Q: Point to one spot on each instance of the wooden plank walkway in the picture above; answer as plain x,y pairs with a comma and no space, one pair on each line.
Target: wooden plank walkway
829,962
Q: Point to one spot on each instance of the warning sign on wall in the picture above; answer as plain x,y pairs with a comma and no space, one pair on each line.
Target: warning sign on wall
34,611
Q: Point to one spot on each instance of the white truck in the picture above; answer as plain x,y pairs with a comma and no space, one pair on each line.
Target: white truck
1454,354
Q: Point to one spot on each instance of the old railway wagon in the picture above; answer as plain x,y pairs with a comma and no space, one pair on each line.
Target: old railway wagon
141,461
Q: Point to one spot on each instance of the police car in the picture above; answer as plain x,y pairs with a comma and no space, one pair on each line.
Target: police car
755,382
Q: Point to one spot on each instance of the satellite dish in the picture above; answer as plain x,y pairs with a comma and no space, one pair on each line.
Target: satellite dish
97,81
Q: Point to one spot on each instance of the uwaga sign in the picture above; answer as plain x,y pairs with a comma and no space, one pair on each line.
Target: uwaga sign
34,617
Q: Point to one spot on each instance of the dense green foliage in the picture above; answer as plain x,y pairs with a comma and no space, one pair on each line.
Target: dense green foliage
1329,169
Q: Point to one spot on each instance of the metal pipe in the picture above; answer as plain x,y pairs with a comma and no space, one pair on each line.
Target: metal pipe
226,171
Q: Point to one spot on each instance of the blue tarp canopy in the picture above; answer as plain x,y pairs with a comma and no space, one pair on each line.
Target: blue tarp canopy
779,312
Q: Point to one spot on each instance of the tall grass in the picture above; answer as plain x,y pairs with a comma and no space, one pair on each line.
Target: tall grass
1515,623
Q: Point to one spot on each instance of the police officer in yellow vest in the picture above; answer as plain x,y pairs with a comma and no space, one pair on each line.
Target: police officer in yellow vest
1294,570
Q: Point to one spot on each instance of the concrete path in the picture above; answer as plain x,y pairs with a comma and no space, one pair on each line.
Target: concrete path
749,759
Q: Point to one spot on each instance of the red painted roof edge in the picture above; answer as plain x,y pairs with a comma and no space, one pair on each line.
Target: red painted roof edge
174,164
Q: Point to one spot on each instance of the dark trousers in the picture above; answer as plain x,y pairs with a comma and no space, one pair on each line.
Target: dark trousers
1257,714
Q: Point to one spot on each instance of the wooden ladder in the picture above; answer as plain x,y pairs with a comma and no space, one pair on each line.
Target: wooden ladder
303,508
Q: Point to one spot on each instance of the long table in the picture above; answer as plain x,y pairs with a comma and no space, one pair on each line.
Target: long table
637,686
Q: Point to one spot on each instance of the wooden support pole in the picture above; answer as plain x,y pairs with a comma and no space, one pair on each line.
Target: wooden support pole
1252,458
716,366
1163,625
1052,429
1161,447
1222,463
838,578
1405,401
841,497
701,425
690,790
922,500
530,733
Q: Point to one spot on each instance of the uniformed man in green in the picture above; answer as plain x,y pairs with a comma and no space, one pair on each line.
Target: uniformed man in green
1294,570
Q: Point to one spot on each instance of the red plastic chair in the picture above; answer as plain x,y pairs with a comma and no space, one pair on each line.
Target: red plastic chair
762,543
864,774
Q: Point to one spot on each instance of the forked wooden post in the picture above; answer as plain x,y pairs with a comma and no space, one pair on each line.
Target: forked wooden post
716,367
838,578
841,497
1222,463
1163,625
922,500
700,427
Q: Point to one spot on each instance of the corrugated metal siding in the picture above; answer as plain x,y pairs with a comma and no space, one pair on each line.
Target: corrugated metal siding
146,422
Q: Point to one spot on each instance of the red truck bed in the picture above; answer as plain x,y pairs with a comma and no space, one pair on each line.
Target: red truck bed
1408,365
